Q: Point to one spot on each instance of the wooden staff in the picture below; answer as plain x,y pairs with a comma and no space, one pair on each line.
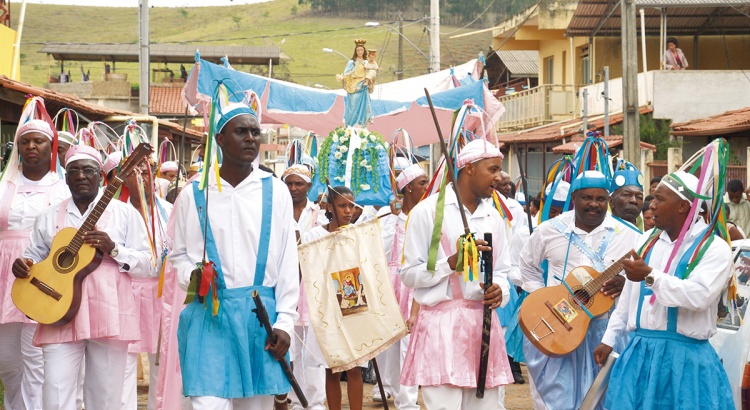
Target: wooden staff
487,324
448,164
380,384
262,314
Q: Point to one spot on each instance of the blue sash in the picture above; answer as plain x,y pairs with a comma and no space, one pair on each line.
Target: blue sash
596,258
682,266
626,223
224,356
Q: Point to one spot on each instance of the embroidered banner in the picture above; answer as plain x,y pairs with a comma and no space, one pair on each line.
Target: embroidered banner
352,306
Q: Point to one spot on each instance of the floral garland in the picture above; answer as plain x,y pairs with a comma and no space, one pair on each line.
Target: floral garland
366,159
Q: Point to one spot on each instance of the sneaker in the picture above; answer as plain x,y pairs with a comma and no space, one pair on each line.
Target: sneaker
377,398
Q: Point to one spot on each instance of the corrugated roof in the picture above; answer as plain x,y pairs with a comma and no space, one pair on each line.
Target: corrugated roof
612,140
684,17
520,63
166,100
54,101
722,124
559,130
162,53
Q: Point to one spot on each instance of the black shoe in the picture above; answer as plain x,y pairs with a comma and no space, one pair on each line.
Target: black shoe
518,378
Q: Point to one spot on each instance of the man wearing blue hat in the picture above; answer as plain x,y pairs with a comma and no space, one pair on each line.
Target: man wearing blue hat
626,195
586,236
246,218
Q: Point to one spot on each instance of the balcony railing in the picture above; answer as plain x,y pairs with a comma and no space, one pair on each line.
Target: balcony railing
538,106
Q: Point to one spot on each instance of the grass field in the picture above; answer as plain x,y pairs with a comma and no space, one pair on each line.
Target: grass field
299,34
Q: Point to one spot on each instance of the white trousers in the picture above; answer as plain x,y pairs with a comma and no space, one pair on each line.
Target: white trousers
21,367
104,379
390,363
310,376
130,389
457,398
218,403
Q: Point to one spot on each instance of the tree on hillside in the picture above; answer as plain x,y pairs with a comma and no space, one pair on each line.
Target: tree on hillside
237,20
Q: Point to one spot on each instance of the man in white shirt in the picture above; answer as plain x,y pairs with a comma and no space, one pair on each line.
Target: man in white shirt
739,206
626,195
411,183
106,321
669,309
167,174
227,360
308,369
586,236
444,351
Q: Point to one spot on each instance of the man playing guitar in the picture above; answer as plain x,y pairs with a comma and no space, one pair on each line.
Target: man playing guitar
106,321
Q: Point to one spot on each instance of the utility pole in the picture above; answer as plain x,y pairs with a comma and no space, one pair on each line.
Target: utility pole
144,58
631,127
606,101
16,60
400,46
434,36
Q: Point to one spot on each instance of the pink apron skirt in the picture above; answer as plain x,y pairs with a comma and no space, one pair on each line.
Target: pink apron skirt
148,310
12,246
403,293
108,310
446,344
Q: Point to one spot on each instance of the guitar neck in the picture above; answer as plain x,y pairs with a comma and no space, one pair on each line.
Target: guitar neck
96,213
608,274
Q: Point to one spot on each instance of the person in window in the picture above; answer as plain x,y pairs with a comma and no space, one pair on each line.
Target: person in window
673,57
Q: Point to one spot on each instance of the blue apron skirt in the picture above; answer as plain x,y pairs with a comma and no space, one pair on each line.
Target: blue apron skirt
224,356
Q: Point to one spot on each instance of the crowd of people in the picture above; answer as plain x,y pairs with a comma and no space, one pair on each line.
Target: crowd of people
233,231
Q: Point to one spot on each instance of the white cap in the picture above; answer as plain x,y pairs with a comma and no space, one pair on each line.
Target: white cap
477,150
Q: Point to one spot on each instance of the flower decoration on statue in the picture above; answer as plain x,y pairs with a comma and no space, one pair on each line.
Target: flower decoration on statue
365,157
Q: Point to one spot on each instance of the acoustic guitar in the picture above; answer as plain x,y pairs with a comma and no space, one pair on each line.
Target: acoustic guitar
51,294
552,318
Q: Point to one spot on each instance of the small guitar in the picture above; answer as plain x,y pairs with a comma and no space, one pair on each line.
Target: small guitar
51,294
552,318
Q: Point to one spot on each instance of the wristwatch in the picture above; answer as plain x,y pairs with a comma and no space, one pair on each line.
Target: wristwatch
649,280
115,251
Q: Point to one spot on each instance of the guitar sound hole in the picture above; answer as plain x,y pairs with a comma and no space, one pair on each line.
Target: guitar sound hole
65,260
583,296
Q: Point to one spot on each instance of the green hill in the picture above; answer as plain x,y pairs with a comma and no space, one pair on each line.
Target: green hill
300,35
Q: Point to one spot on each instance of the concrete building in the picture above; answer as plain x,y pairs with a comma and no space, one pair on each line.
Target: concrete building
577,39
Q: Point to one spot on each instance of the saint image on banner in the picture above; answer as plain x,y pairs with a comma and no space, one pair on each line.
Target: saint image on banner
350,297
350,291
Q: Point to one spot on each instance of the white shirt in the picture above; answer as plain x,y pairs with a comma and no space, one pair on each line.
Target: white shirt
431,288
161,240
162,187
520,220
235,217
697,296
389,224
548,243
519,240
309,218
314,233
120,221
26,206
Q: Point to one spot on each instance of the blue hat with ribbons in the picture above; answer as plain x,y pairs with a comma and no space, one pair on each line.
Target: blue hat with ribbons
232,111
626,174
590,179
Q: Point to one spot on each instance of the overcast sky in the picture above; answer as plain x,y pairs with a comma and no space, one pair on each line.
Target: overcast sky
154,3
